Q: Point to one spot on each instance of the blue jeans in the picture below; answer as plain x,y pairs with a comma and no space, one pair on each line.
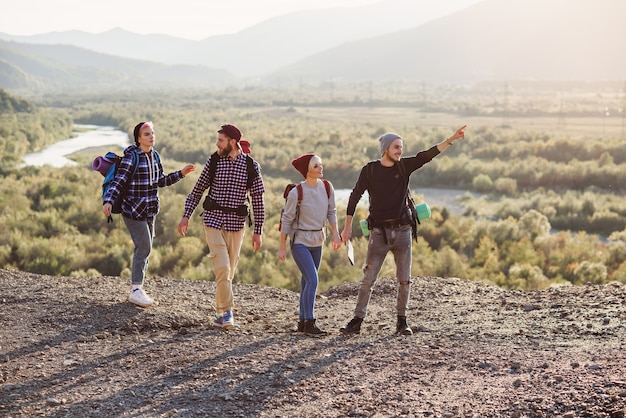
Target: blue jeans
398,241
142,234
308,261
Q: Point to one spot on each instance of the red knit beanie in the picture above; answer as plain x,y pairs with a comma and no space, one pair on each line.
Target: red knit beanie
302,163
231,131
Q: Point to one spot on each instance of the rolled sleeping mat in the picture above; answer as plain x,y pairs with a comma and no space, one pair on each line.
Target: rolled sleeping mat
101,164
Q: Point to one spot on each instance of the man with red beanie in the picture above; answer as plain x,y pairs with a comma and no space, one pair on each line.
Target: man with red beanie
225,211
386,181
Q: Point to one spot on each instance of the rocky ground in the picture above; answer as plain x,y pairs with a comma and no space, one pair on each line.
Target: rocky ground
73,347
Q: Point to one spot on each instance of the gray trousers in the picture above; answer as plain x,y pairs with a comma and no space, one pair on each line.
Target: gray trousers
381,241
142,234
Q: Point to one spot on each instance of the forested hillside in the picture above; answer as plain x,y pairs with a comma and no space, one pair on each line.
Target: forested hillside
25,128
547,186
37,69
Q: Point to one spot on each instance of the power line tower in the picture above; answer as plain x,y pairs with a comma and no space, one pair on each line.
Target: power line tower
561,115
505,106
623,109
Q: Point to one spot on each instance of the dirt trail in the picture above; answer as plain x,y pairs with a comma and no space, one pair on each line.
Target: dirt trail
72,347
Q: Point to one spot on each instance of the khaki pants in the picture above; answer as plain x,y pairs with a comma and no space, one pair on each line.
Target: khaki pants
224,247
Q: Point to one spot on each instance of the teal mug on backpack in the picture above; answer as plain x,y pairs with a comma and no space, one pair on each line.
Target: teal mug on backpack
423,211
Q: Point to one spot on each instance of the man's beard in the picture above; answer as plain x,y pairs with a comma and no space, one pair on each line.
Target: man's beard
226,150
391,155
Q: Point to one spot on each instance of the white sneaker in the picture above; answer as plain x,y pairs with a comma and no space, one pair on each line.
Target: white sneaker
140,298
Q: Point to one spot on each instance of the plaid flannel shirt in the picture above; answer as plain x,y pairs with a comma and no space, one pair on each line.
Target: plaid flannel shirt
229,191
141,199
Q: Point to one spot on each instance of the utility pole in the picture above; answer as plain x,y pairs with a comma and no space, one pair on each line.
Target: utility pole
505,106
561,114
623,109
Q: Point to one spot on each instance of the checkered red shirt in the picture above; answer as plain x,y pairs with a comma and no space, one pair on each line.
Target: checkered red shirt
228,190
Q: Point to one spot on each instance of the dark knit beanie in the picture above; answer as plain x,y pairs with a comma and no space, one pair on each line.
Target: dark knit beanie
137,131
302,163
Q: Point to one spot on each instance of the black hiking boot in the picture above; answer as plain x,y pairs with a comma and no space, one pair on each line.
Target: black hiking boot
311,329
353,327
401,326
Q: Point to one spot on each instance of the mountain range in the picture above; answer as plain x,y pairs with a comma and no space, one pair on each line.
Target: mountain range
494,39
392,39
264,47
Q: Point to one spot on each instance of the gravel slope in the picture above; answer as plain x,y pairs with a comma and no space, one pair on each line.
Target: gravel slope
72,347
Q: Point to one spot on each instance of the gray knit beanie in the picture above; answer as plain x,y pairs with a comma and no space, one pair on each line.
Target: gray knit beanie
386,140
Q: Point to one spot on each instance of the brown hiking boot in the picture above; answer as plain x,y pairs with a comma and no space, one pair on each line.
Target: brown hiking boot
353,327
311,329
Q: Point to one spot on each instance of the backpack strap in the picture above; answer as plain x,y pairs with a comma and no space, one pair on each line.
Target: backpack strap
213,167
127,185
297,217
327,186
157,156
415,220
252,171
369,175
300,196
137,163
252,174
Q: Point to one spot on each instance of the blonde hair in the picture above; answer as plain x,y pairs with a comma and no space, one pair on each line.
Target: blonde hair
314,160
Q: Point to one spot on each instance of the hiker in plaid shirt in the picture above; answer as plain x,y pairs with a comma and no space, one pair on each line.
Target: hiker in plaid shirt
229,180
138,187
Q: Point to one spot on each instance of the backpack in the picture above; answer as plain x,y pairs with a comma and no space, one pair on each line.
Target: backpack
108,165
299,189
252,174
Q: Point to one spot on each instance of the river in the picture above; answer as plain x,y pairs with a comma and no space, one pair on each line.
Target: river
94,136
443,198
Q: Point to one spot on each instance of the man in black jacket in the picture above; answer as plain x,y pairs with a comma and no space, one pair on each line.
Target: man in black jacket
386,181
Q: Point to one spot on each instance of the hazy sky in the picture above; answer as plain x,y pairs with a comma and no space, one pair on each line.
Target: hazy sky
190,19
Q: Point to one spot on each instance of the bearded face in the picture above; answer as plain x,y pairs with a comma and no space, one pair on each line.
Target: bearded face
223,144
394,152
226,150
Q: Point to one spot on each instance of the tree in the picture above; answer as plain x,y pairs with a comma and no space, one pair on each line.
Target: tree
534,224
482,183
